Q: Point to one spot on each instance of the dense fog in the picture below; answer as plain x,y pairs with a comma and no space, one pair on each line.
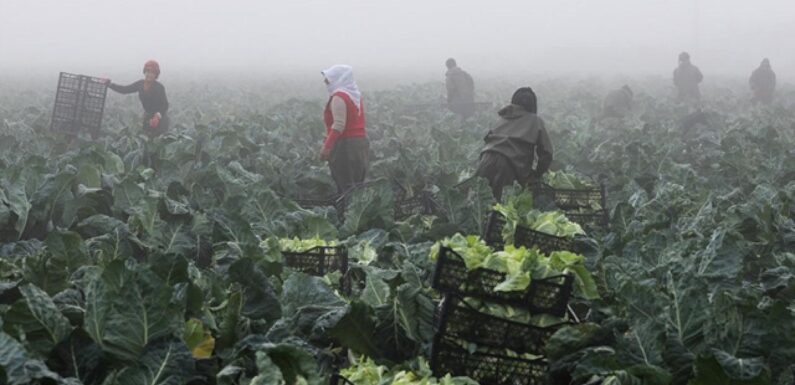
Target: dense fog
397,39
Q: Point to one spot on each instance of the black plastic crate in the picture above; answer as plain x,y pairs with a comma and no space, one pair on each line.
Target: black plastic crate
543,296
597,221
338,379
460,321
398,190
420,204
546,243
79,103
318,260
485,368
570,199
309,203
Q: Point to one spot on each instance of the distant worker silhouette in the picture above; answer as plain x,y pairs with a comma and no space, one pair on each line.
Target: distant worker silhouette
618,103
460,90
763,83
686,79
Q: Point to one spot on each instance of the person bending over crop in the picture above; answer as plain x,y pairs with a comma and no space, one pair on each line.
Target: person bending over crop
153,98
346,147
618,103
518,142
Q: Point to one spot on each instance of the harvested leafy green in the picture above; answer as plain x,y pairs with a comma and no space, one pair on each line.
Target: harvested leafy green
470,247
300,245
521,265
565,180
366,372
519,211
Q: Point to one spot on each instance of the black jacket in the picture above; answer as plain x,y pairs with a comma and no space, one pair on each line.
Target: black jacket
153,100
686,79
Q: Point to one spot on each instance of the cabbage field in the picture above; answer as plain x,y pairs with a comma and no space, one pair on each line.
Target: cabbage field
125,260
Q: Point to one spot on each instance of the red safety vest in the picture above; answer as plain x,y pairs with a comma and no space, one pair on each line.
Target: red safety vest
354,124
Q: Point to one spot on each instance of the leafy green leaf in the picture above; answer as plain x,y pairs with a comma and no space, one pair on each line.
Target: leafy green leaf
127,308
296,366
260,300
198,340
724,369
165,363
368,207
37,321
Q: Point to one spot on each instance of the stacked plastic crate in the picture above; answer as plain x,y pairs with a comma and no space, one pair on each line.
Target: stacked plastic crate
319,261
79,104
586,207
490,349
546,243
579,309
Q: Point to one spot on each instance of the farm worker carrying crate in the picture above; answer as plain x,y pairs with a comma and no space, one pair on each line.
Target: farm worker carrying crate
518,142
460,90
153,98
346,147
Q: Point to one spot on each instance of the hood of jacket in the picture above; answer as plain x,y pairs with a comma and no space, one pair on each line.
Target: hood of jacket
512,112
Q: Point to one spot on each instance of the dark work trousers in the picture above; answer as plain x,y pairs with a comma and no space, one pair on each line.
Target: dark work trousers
498,170
349,161
151,158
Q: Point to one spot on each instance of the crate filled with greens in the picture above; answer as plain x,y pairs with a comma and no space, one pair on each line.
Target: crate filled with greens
547,295
422,203
583,201
518,222
467,319
314,256
447,356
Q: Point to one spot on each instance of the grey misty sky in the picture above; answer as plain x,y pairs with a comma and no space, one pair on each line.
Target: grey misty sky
728,37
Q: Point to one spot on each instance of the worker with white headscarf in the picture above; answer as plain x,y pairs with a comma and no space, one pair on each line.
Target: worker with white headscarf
346,147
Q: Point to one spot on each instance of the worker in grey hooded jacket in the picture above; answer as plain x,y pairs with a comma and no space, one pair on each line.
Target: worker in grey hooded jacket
763,83
518,149
460,90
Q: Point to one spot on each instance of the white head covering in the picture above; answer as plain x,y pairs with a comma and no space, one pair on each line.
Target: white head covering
340,78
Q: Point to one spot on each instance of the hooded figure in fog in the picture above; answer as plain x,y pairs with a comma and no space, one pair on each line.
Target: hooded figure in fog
618,103
460,89
686,79
346,147
763,83
518,143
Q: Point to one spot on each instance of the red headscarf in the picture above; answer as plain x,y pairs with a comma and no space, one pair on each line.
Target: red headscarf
151,65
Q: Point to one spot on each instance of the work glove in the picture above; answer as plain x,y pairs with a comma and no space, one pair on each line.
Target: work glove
155,120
